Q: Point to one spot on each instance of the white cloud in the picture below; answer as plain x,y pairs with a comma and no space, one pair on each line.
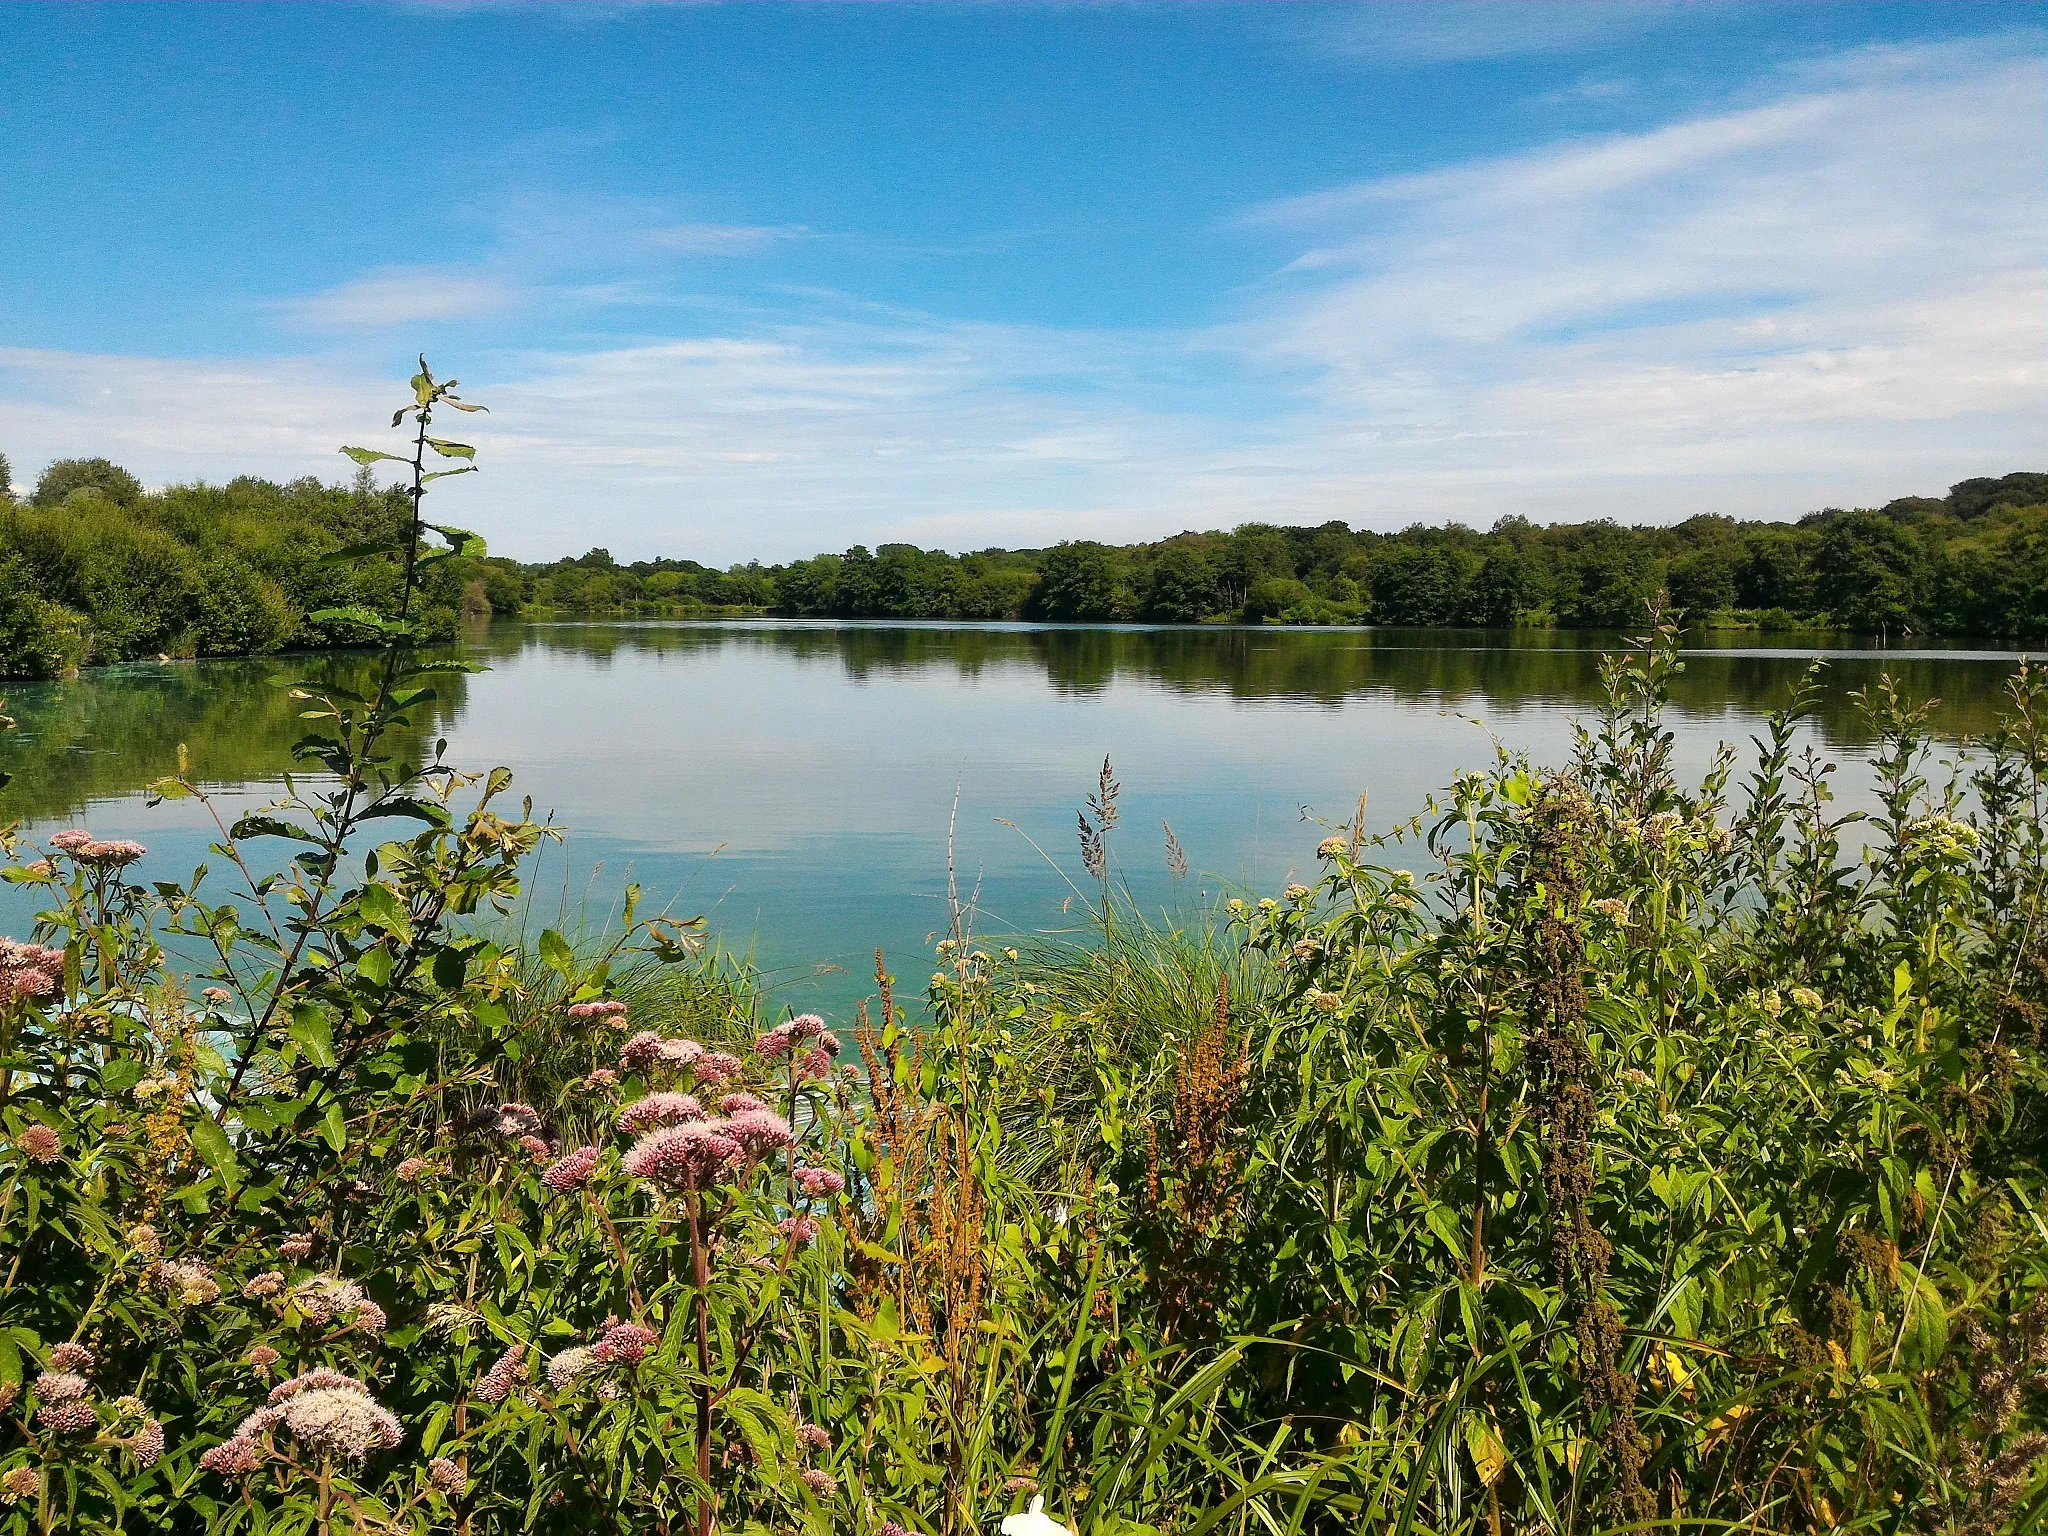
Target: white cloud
723,239
392,296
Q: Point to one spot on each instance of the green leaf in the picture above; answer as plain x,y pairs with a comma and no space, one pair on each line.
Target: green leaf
334,1126
315,1035
443,474
451,450
460,540
556,954
256,824
355,613
211,1142
371,456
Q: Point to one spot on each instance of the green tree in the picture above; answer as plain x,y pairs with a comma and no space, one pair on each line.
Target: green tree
1865,566
1508,585
1703,581
1077,584
103,475
1180,588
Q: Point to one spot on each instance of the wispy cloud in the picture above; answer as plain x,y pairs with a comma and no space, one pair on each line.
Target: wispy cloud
723,239
1407,32
394,296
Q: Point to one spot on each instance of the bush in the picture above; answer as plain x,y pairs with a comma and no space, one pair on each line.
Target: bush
38,638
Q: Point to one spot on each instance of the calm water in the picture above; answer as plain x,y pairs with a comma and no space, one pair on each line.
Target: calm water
794,781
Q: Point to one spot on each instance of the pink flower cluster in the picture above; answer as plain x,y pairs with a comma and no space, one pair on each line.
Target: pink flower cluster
29,971
70,1357
64,1405
655,1109
820,1182
798,1229
535,1148
804,1038
147,1443
410,1170
626,1343
516,1119
693,1155
38,1143
496,1384
610,1011
296,1247
649,1049
571,1172
818,1481
445,1475
331,1413
329,1298
87,849
814,1437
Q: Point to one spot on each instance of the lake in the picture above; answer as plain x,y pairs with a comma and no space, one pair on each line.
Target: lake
794,782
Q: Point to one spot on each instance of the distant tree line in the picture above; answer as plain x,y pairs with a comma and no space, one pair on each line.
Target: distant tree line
1972,562
95,568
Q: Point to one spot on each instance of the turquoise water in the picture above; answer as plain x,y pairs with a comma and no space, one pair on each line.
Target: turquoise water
795,782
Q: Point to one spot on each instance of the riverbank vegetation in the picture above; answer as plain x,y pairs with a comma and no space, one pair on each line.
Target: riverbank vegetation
94,568
1662,1154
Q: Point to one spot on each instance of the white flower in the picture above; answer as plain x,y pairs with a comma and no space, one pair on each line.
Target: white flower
1034,1522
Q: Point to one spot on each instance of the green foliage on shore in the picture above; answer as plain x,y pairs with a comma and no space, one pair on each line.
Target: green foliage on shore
1667,1155
93,568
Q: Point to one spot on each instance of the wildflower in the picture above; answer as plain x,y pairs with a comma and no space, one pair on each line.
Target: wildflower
815,1436
71,840
42,869
1324,1002
689,1156
233,1457
535,1148
1034,1521
70,1357
18,1483
446,1476
807,1026
1612,908
1331,847
116,853
759,1132
61,1386
655,1109
572,1171
603,1077
779,1041
70,1418
608,1012
263,1357
217,995
818,1481
410,1170
38,1143
1772,1004
816,1062
891,1528
820,1181
142,1237
517,1119
798,1229
326,1298
714,1067
189,1281
497,1383
739,1103
147,1443
333,1414
29,970
264,1286
626,1343
1296,892
571,1365
296,1247
1807,998
1637,1076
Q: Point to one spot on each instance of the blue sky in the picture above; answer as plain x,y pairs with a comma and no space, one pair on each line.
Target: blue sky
758,280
